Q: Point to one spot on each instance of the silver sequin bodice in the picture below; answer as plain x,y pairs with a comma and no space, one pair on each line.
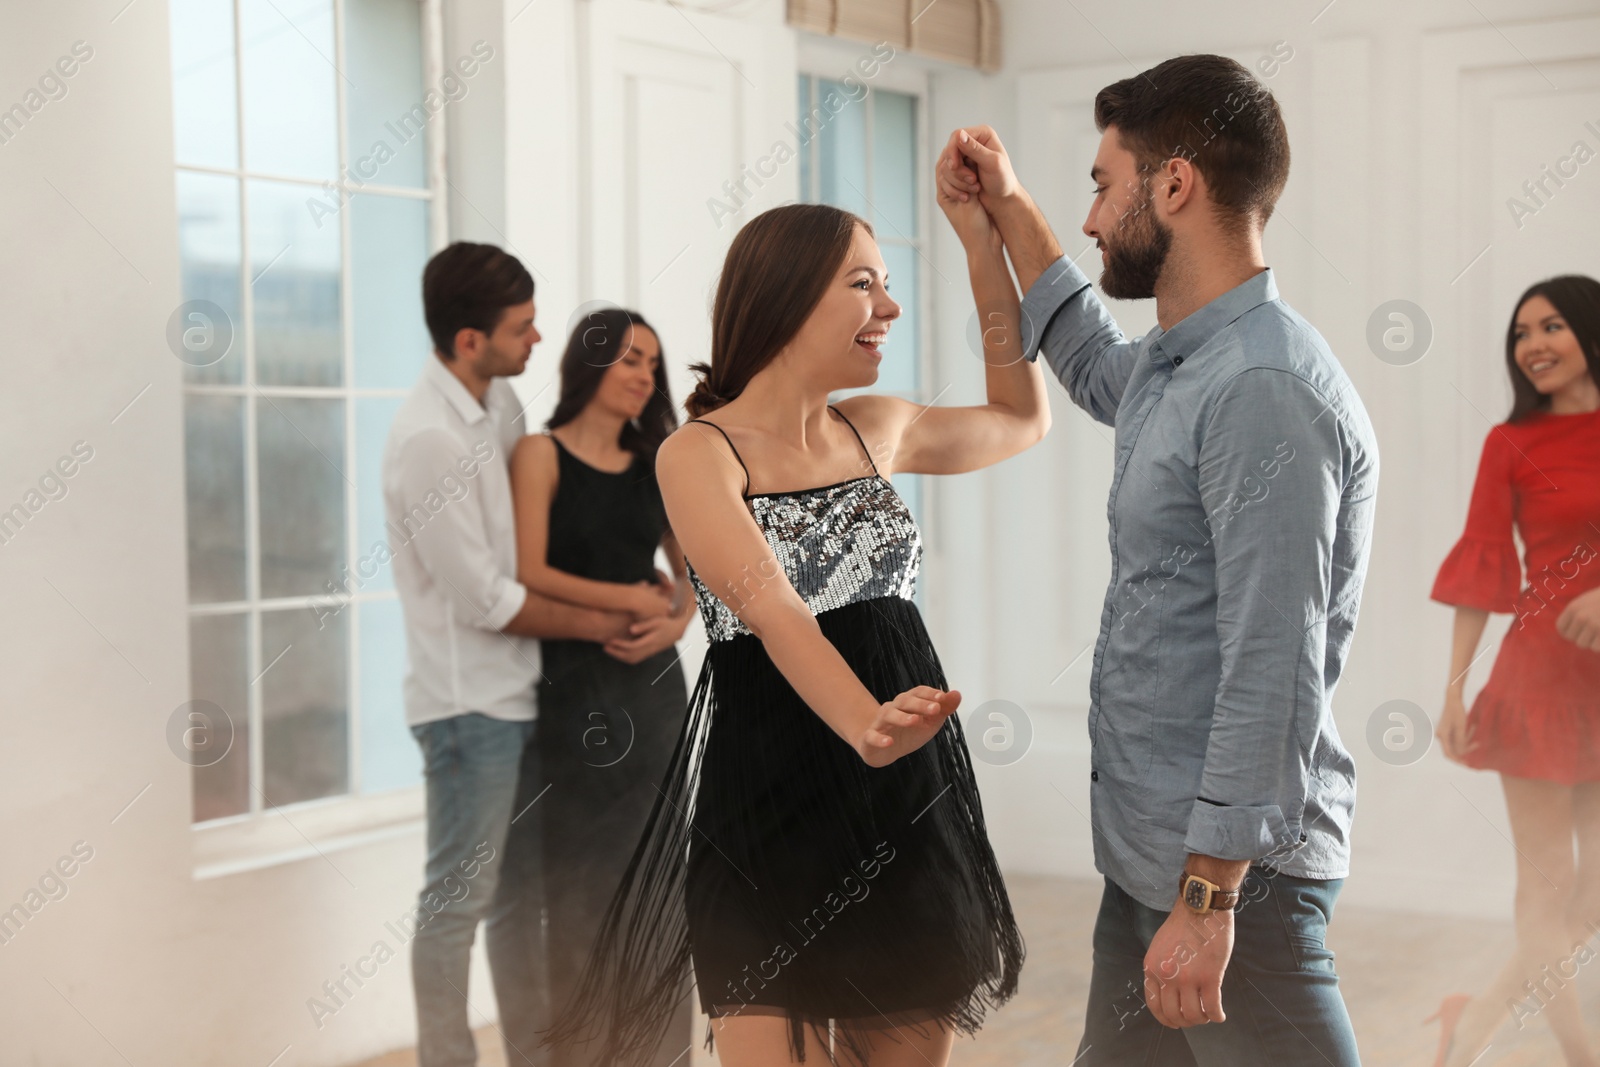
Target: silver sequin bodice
837,544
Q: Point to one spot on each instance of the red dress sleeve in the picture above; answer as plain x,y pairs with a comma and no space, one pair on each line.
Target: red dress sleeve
1482,570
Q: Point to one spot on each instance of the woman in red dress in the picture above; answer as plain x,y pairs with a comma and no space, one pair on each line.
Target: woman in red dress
1537,721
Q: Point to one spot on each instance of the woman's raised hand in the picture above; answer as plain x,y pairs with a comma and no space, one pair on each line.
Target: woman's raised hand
967,217
906,723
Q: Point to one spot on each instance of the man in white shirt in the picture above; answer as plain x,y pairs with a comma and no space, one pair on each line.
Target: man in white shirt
470,626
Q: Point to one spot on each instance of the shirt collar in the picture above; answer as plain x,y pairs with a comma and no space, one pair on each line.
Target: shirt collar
450,387
1200,326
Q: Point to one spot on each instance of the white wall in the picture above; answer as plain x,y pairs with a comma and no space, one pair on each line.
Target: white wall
141,962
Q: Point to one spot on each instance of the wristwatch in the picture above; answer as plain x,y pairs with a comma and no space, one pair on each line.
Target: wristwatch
1203,897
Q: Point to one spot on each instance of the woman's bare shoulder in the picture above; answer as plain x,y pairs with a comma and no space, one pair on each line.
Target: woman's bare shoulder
692,450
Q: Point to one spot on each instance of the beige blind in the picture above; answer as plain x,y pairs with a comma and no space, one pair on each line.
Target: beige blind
960,31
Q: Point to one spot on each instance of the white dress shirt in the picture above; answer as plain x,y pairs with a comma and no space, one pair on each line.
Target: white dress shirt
447,510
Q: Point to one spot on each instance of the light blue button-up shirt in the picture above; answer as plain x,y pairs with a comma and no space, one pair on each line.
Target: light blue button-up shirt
1241,516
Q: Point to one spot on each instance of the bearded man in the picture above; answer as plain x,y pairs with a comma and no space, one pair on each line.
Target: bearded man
1241,515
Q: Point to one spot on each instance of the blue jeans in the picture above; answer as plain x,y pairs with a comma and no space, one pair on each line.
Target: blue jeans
1280,992
470,763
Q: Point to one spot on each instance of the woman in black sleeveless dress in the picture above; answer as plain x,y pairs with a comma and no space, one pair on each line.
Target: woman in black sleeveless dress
589,522
818,856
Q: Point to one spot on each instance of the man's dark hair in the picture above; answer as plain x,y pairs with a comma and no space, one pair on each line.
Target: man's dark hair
470,286
1211,111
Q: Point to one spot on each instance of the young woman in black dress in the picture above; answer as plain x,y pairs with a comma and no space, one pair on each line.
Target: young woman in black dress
818,856
589,521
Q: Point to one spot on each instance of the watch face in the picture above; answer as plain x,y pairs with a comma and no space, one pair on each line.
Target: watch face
1194,894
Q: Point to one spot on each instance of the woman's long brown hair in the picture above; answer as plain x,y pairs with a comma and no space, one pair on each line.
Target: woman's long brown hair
1577,298
775,273
595,344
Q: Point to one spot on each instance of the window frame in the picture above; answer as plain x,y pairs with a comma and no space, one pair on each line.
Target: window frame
829,58
247,840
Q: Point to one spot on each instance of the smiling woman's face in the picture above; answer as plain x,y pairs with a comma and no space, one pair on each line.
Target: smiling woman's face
1547,350
843,336
630,380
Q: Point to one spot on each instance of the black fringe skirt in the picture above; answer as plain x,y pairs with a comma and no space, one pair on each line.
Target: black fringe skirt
794,879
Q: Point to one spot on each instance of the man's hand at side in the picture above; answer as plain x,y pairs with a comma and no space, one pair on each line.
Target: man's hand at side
1188,956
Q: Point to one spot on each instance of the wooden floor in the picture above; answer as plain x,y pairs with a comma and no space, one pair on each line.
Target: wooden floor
1394,969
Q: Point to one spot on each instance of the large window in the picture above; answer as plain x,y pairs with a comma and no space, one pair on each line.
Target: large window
858,151
306,214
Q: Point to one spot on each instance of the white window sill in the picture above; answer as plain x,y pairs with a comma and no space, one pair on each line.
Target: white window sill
305,831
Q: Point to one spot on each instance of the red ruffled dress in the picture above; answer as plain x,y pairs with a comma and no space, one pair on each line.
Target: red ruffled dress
1539,714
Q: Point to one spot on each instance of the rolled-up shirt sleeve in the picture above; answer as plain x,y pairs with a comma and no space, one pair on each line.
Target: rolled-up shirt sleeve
1270,477
1082,343
450,541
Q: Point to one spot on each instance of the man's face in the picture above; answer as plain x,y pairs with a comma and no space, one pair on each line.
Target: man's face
505,355
1133,243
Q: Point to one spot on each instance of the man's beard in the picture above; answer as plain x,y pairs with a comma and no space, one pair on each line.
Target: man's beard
1135,258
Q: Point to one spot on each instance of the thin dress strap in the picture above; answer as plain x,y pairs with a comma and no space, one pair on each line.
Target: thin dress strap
857,432
736,455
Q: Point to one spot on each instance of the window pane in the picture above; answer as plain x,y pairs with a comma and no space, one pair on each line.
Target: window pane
205,112
388,249
213,447
898,371
208,246
841,147
389,755
909,486
294,279
383,49
304,705
894,158
302,483
289,102
803,136
218,658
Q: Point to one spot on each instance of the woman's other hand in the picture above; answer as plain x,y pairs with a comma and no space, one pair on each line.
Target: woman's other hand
1455,728
647,637
1580,621
906,723
651,599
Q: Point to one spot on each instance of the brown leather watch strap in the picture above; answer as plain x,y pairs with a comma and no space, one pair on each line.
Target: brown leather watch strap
1217,899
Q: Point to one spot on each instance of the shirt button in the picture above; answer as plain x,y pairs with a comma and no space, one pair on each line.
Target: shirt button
1094,776
1177,361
